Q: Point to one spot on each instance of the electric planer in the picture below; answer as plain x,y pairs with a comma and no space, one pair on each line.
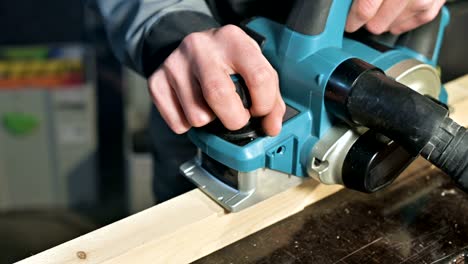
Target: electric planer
360,109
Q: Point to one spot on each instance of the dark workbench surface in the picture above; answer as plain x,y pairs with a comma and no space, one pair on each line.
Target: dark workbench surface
421,218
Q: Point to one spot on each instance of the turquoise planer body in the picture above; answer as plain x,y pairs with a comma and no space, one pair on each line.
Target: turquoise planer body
306,52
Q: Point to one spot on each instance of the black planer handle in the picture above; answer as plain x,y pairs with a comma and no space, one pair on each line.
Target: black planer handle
422,40
309,17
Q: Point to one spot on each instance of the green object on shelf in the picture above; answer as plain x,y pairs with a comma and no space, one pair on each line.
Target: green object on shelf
24,53
20,124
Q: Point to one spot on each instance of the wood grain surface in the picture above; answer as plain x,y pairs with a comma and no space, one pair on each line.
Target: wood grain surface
191,226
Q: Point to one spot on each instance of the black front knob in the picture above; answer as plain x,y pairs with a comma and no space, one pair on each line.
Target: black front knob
252,130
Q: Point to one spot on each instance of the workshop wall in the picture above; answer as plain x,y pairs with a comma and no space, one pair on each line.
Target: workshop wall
67,173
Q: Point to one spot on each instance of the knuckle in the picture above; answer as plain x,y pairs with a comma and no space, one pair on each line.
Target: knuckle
426,17
230,30
214,90
283,107
193,40
155,86
275,75
156,94
152,81
365,9
262,75
421,5
266,77
171,62
263,109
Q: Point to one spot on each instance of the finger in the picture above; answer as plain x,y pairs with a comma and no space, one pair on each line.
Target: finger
413,9
386,15
220,93
361,12
187,89
419,19
407,16
165,100
406,25
272,122
260,77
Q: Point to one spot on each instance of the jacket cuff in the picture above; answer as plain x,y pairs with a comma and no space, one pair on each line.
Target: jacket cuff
167,33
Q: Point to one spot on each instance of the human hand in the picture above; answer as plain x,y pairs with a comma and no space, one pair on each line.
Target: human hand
193,85
395,16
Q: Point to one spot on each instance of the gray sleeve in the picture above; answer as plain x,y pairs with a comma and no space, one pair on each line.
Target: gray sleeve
143,33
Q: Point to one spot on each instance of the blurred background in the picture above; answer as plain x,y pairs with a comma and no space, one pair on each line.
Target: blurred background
73,142
73,124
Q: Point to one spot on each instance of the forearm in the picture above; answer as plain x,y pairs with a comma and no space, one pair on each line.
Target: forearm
143,33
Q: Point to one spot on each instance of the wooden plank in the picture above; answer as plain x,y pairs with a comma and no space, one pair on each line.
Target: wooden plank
458,90
191,226
180,230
